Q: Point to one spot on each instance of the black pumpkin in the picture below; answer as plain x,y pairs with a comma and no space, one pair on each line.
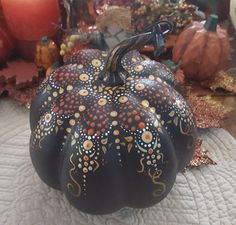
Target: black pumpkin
110,130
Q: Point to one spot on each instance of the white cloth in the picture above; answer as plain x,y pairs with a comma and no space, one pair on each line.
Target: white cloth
205,195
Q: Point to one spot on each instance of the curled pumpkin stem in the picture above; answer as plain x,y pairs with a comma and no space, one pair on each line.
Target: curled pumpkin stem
114,74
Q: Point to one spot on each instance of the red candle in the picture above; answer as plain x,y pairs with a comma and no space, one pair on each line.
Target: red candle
29,20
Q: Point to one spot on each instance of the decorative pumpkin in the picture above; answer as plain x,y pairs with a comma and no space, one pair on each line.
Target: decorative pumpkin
47,53
202,48
6,44
30,20
110,130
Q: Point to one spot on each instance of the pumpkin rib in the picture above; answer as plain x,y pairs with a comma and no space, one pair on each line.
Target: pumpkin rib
209,63
191,57
204,51
178,52
219,65
225,45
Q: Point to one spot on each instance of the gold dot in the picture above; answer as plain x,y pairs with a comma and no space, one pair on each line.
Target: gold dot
159,80
114,123
123,99
80,66
82,108
68,130
134,60
55,94
147,136
113,113
138,68
90,168
102,101
117,140
49,98
150,151
151,77
180,104
83,92
48,117
139,87
158,157
77,115
72,122
145,103
83,77
88,145
116,132
85,170
69,88
61,90
96,63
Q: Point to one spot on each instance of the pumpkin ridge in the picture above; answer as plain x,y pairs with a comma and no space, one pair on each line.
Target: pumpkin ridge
224,45
204,51
185,45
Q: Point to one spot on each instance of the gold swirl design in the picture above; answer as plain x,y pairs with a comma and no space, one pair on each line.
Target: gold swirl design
162,187
142,166
159,191
40,140
75,188
156,175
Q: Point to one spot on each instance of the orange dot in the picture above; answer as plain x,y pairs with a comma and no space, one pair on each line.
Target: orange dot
129,120
86,158
88,144
141,125
137,117
90,132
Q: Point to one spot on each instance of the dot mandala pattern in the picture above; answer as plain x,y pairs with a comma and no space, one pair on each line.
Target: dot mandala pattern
140,126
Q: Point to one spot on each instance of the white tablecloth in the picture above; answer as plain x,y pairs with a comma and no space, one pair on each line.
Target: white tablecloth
206,195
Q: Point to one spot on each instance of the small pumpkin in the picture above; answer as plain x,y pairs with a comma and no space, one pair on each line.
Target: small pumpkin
47,53
202,48
110,130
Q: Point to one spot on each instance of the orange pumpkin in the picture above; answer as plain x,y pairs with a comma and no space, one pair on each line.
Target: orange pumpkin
202,48
47,53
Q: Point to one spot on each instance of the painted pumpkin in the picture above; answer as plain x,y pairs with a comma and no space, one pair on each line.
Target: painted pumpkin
202,48
110,130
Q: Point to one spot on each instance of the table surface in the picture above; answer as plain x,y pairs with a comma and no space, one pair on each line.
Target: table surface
206,195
